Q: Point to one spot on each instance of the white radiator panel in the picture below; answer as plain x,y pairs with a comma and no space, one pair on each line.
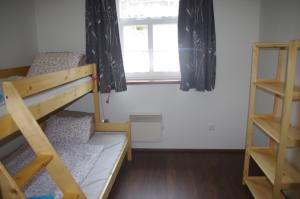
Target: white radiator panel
146,127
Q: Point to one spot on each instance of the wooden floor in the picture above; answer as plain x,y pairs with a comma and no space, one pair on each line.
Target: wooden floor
181,175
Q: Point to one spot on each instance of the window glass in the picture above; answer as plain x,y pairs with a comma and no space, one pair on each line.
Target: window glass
135,49
165,48
148,8
148,34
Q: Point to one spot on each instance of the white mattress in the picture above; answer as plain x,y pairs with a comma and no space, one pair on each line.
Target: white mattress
113,143
93,184
46,94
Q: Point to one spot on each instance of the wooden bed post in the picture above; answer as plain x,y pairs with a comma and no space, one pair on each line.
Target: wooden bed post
129,150
96,96
110,127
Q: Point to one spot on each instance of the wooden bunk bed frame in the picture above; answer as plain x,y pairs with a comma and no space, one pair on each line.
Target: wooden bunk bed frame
24,118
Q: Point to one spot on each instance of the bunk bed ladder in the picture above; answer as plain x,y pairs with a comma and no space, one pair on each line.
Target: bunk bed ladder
46,156
279,174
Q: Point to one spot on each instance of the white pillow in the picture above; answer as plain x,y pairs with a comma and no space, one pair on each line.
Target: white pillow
54,61
69,129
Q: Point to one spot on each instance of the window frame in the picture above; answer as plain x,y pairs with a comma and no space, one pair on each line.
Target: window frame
149,22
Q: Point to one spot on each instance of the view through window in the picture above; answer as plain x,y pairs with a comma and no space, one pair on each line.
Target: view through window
148,32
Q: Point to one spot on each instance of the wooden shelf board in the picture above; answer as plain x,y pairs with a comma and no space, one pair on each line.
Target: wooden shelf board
271,126
277,88
266,160
260,187
271,45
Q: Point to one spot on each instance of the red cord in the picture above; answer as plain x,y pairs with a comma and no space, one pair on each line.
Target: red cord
94,78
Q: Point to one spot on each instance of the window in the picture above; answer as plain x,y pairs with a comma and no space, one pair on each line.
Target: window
148,33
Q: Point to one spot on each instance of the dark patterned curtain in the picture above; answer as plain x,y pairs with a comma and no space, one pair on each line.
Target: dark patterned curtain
197,44
103,44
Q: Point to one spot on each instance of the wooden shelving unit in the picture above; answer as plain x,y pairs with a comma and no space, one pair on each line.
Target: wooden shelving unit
279,174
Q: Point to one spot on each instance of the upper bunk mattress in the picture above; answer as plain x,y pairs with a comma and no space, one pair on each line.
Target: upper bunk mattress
46,94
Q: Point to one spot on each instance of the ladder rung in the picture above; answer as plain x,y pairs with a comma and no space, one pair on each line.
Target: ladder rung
27,173
70,196
8,187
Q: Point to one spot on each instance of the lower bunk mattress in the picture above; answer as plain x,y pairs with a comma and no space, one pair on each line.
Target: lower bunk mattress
90,164
114,145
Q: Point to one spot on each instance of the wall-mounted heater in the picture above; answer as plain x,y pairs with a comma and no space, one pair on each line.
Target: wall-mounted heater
146,127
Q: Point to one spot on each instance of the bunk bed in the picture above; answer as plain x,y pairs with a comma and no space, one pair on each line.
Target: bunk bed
32,98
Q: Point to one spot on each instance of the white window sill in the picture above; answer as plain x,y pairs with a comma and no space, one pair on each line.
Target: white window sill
152,81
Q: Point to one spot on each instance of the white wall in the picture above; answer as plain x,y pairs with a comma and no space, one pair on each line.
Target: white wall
60,25
186,115
280,20
18,42
280,23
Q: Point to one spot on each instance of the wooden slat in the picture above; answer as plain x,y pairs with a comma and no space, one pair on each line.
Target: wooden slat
35,84
276,104
273,87
280,63
251,112
113,127
267,81
271,45
8,188
38,140
266,160
18,71
277,88
45,107
260,187
263,116
70,196
271,126
27,173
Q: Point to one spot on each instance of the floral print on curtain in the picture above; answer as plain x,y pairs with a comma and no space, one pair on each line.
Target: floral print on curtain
103,44
197,45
